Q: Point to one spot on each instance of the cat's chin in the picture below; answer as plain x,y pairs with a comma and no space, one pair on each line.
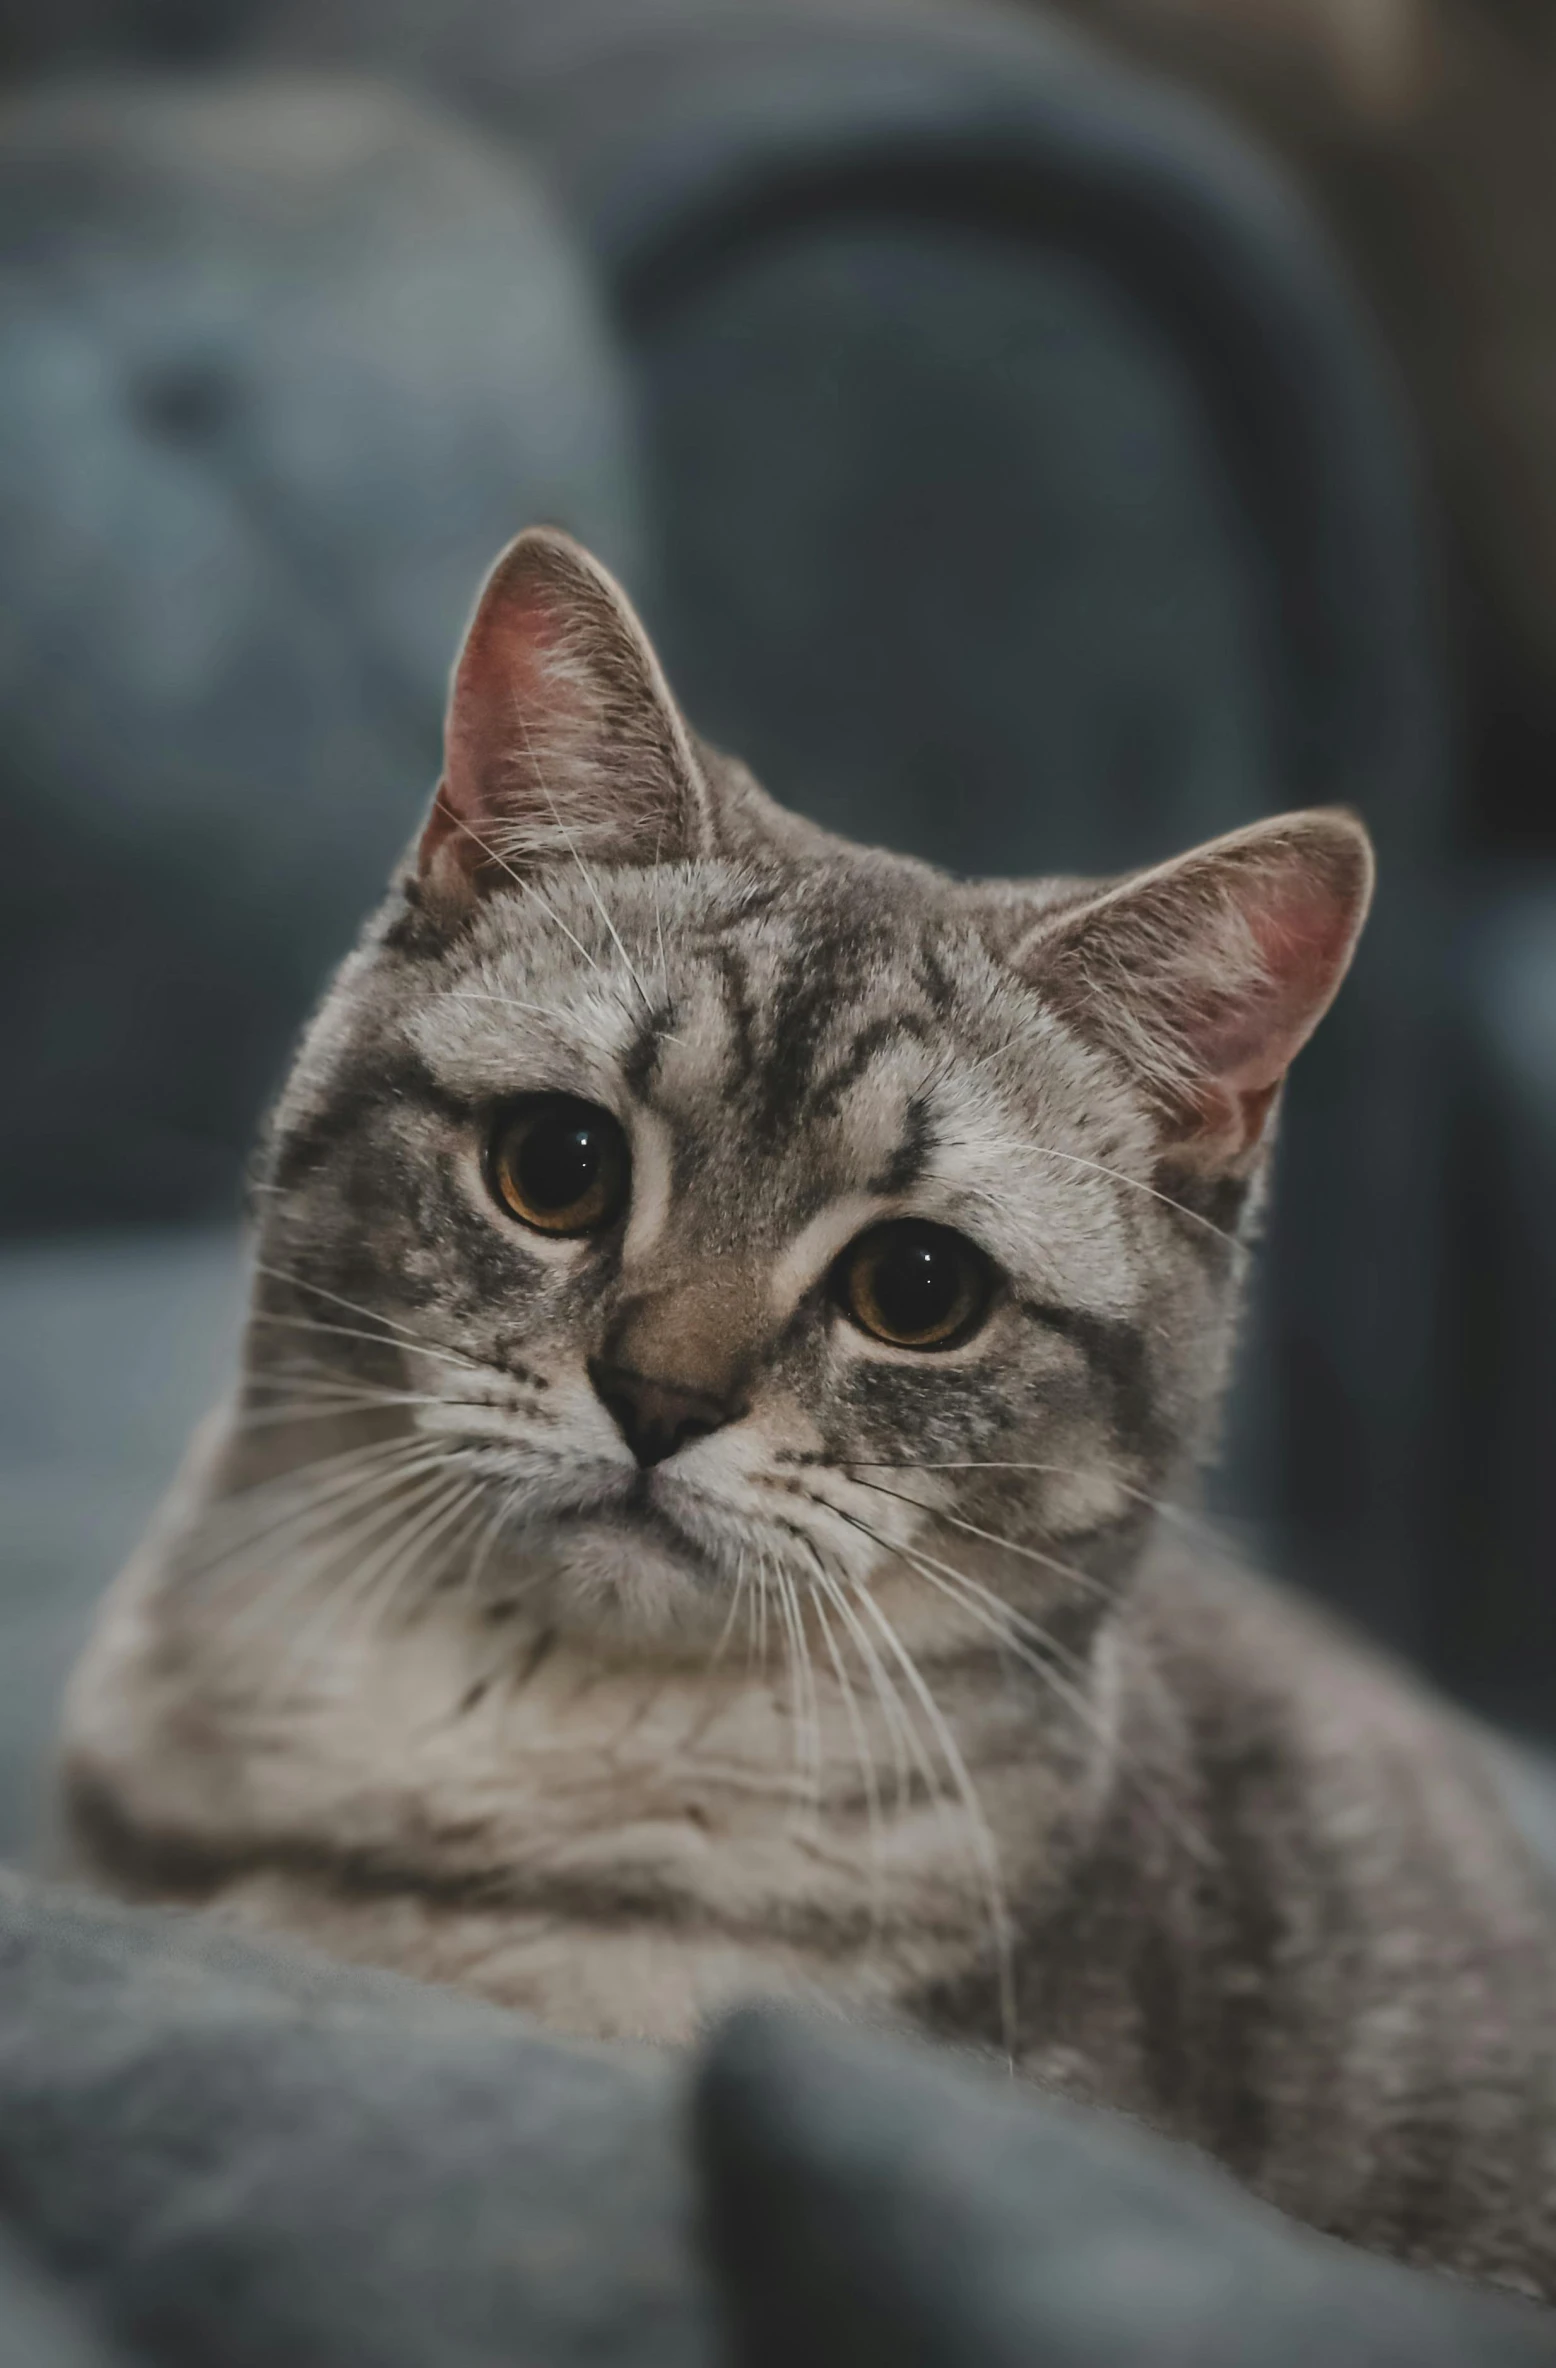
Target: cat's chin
633,1580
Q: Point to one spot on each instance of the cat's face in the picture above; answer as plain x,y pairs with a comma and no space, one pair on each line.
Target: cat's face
715,1219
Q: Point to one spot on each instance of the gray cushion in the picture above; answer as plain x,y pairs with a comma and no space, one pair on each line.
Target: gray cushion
221,2154
283,364
109,1350
239,2155
869,2204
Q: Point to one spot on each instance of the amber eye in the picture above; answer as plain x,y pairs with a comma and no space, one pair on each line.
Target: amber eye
560,1165
914,1285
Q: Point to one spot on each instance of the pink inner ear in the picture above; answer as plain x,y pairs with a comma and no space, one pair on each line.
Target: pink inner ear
562,734
510,698
507,685
1302,923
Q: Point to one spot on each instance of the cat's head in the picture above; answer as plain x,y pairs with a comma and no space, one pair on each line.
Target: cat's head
705,1210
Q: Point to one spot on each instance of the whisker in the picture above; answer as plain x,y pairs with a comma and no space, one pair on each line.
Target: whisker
785,1614
751,1601
341,1408
312,1379
899,1726
307,1479
1199,1523
1083,1579
1095,1167
985,1851
322,1505
906,1746
407,1523
815,1736
315,1555
728,1629
1010,1627
294,1474
450,1510
502,1512
527,887
540,1011
585,873
869,1775
371,1315
443,1356
762,1592
1000,1618
659,917
783,1596
301,1536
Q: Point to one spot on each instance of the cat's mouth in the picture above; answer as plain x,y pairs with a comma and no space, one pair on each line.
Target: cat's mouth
639,1553
640,1513
627,1568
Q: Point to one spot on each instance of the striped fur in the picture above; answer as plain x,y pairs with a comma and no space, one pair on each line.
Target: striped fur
904,1689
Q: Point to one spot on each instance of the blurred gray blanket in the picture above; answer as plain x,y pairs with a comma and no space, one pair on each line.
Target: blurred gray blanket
219,2151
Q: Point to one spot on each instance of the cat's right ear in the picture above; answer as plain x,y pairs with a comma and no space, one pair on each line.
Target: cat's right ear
563,739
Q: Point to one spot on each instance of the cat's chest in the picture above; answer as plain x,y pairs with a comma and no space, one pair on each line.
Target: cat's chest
616,1851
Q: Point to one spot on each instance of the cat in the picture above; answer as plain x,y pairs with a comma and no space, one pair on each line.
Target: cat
730,1316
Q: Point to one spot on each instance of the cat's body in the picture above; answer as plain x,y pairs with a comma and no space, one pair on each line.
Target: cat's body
751,1571
1289,1926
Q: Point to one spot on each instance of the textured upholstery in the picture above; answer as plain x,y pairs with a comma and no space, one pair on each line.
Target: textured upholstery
282,364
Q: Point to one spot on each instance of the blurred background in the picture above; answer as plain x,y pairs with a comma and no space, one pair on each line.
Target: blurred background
1039,439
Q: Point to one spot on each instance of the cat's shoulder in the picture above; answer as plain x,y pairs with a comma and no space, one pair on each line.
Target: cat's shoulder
1253,1661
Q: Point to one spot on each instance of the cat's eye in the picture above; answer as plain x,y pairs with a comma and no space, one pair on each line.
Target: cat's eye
914,1285
560,1165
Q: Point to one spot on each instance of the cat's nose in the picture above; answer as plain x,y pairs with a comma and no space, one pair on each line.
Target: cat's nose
656,1417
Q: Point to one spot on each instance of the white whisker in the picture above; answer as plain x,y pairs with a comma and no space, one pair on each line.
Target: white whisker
985,1851
407,1523
906,1749
539,1011
728,1629
442,1356
527,887
1095,1167
315,1554
1011,1628
1050,1562
322,1505
585,873
869,1775
1200,1523
815,1739
371,1315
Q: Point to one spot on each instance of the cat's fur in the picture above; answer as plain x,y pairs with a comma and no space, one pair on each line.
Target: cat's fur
900,1688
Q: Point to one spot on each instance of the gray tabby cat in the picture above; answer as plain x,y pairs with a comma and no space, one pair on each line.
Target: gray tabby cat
729,1309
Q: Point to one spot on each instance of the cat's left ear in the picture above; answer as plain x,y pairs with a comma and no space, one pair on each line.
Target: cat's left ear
1206,976
562,738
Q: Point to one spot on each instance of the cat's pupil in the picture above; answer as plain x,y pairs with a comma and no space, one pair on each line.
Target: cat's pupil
559,1162
917,1285
559,1165
913,1285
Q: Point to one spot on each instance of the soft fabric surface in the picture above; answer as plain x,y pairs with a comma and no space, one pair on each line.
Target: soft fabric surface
110,1347
224,2153
217,2151
241,2155
284,363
